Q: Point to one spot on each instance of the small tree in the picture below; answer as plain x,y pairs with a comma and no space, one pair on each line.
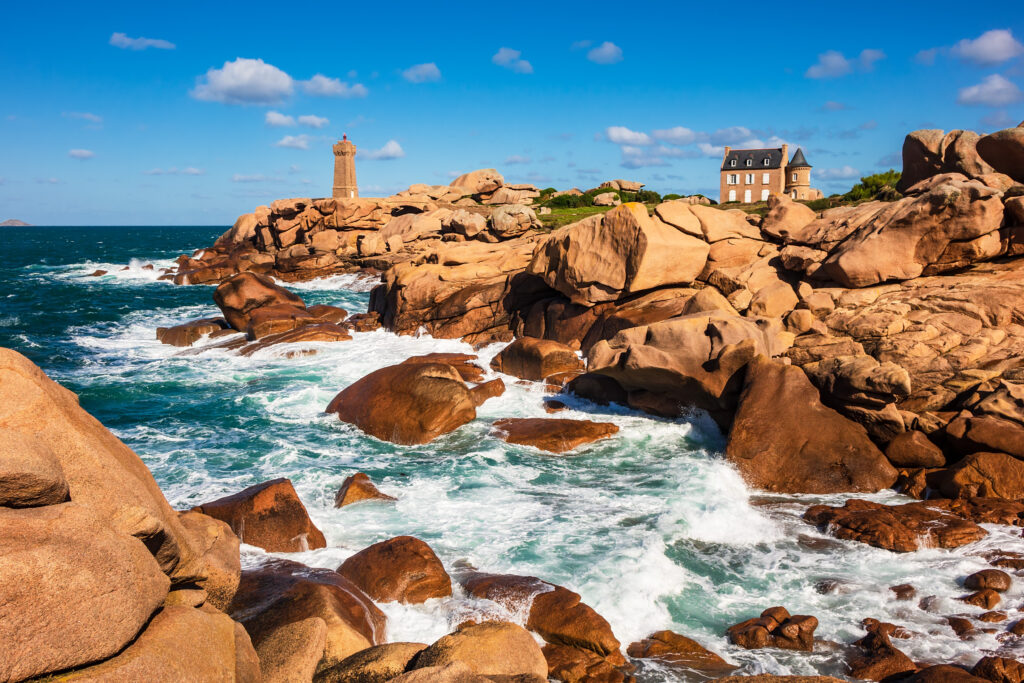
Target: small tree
870,186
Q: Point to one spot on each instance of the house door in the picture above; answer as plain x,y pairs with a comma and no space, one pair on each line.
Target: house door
732,195
746,196
764,195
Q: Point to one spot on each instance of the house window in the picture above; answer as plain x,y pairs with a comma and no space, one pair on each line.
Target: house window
750,162
732,195
794,176
764,195
750,179
732,162
794,194
746,196
765,178
767,161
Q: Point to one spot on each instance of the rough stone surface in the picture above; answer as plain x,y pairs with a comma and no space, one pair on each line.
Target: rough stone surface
358,488
535,359
402,569
676,649
240,295
491,648
775,628
218,545
551,434
377,664
30,473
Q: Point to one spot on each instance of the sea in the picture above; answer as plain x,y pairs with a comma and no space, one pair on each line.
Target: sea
652,527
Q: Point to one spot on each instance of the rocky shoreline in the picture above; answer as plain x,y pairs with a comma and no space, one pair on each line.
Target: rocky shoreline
868,347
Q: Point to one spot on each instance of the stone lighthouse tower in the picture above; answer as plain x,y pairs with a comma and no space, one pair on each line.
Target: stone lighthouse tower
345,169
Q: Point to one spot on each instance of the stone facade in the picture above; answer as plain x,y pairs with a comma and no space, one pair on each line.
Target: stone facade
345,170
753,175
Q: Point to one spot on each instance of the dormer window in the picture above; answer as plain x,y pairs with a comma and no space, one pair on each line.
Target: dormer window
750,162
732,162
767,161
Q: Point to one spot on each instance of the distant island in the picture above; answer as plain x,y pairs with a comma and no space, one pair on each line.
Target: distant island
14,223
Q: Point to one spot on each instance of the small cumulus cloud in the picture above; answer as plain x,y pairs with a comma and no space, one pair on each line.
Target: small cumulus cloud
679,135
605,53
81,154
512,60
832,105
125,43
293,142
517,159
621,135
993,91
991,47
422,73
188,170
244,81
833,64
323,86
277,119
841,173
313,121
83,116
255,178
390,150
927,57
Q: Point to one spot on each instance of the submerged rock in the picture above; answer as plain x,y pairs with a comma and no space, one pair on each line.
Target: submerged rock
551,434
187,334
268,515
401,569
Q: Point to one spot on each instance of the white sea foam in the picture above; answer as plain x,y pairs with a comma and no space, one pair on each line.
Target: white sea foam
135,272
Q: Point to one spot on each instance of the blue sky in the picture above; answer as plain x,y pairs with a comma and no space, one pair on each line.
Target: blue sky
138,113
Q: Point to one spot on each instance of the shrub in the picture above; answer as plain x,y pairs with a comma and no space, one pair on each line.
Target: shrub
870,186
670,196
569,201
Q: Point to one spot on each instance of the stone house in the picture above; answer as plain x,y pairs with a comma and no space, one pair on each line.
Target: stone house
752,175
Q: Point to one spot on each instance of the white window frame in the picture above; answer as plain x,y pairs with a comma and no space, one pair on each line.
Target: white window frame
794,176
732,179
766,178
767,161
749,179
732,163
764,195
746,196
750,162
732,195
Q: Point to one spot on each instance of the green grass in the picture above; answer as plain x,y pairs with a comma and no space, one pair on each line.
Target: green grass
559,217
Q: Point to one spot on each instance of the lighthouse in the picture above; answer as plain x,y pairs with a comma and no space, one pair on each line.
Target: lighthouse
345,169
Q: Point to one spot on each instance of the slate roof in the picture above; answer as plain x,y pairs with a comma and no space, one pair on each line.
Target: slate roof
798,160
758,156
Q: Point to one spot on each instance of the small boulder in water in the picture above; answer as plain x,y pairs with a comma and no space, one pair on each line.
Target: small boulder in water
187,334
97,273
552,434
904,591
485,390
535,359
358,488
275,319
679,650
268,515
999,669
877,658
986,598
402,569
988,578
775,628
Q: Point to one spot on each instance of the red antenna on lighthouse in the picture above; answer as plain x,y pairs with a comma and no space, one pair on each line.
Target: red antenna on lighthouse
344,137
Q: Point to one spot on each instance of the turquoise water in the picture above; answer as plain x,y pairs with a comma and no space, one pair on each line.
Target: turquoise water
651,527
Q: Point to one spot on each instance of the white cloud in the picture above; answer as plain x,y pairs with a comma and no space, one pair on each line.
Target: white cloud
842,173
81,154
833,64
390,150
277,119
621,135
991,47
732,135
993,91
605,53
511,59
422,73
678,135
124,42
640,157
244,81
188,170
313,121
832,105
517,159
323,86
293,142
242,178
83,115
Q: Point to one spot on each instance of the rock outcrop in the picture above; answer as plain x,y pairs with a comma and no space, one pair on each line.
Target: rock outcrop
775,628
400,569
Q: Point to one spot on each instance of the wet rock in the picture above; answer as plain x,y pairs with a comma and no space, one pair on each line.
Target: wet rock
98,273
1017,628
30,473
553,406
993,617
189,333
378,664
268,515
402,569
535,359
304,620
999,670
988,578
600,389
181,644
775,628
899,528
877,658
73,589
904,591
487,390
784,439
576,665
218,545
492,648
555,613
768,678
553,435
407,403
364,322
961,626
995,475
358,488
275,319
312,332
462,362
676,649
238,296
328,314
986,598
984,510
942,673
914,449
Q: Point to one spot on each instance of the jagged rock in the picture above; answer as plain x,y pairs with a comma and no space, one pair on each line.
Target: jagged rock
407,403
74,590
968,434
513,220
219,548
878,659
487,390
30,473
988,578
942,673
268,515
402,569
922,157
775,628
535,359
986,598
576,665
553,435
904,591
377,664
358,488
238,296
899,528
491,648
985,475
480,181
785,217
304,620
672,648
690,361
784,439
601,258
